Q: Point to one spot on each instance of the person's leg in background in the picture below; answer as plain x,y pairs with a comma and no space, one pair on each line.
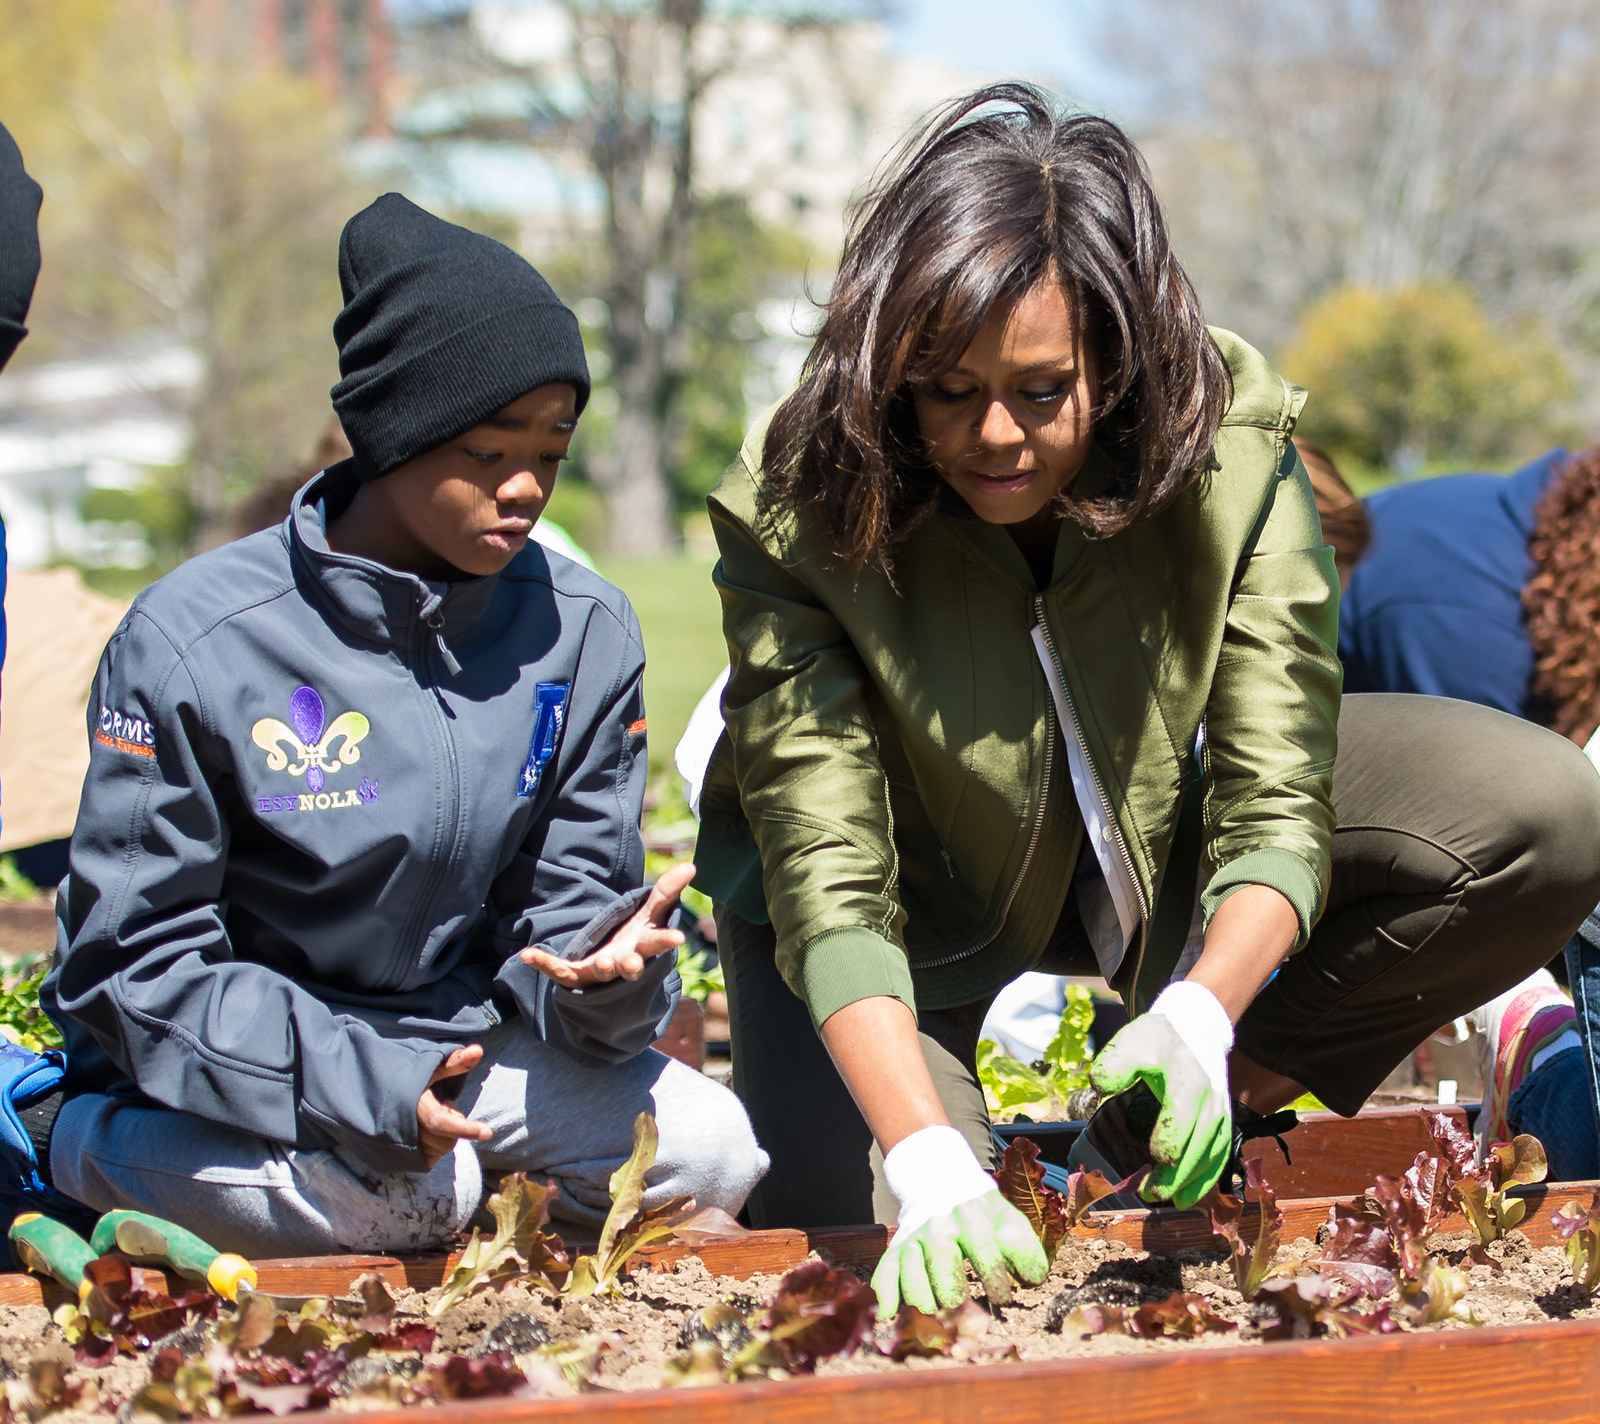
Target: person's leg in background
1583,974
1538,1053
826,1170
1462,862
1535,1078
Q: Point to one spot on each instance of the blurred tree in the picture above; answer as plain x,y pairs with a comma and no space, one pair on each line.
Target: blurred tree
1418,375
627,95
48,46
1305,144
194,200
737,263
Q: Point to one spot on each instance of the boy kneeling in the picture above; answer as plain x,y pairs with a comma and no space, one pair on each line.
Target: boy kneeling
352,916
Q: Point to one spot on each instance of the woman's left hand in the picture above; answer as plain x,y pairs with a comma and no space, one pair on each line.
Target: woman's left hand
623,956
1180,1051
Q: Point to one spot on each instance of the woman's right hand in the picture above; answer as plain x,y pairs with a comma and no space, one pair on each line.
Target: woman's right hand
951,1212
440,1123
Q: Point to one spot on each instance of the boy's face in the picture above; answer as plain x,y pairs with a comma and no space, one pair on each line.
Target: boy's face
469,506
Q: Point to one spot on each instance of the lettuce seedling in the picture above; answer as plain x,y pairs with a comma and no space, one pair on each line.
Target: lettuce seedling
520,1245
121,1316
1309,1306
1184,1313
1021,1182
1358,1254
957,1334
1009,1085
45,1391
1067,1056
1580,1229
1436,1294
577,1359
1484,1191
1251,1255
628,1226
702,1363
1409,1207
1012,1086
1050,1213
817,1311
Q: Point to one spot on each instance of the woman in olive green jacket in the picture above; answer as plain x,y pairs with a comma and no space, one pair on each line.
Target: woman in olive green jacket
1032,640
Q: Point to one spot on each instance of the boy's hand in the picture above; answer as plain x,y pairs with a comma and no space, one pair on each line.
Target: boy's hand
644,936
441,1122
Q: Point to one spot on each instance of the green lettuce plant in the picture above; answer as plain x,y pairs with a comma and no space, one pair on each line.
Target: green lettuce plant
1011,1086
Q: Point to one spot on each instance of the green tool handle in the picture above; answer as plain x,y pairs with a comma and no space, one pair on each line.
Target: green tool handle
51,1249
150,1240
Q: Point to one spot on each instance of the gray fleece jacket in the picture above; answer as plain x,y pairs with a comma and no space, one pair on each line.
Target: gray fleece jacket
327,803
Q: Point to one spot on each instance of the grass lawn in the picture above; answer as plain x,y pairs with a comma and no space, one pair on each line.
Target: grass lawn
684,651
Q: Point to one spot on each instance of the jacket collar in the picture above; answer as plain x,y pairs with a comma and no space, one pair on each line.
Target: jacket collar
376,603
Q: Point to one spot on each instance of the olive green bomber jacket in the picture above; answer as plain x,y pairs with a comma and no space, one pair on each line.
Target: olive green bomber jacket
908,767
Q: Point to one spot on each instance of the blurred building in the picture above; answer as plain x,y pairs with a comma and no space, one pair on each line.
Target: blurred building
344,45
795,119
70,427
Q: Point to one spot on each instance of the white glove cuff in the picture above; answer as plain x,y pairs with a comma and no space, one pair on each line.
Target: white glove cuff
1198,1016
933,1172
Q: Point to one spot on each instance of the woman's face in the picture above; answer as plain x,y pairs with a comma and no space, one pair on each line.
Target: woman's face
1008,427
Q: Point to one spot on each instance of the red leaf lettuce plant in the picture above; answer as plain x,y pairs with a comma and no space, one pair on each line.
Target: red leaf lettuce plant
1580,1229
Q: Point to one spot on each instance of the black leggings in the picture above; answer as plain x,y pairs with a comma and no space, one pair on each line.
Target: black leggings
1467,853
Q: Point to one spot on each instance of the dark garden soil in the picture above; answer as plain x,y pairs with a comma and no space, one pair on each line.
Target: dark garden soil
524,1340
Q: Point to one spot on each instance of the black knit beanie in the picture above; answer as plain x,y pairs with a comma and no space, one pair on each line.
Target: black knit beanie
441,328
19,244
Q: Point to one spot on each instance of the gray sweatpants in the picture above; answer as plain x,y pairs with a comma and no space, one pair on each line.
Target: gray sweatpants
552,1117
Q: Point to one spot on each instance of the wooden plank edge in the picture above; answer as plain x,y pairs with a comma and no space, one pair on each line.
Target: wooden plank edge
770,1252
1510,1373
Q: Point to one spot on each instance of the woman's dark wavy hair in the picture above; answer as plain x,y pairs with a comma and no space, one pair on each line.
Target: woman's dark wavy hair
999,191
1562,599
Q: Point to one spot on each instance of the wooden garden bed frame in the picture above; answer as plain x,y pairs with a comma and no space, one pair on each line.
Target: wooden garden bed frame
1549,1372
1546,1372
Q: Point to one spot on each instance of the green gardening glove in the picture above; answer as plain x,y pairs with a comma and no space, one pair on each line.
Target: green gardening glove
1180,1049
951,1213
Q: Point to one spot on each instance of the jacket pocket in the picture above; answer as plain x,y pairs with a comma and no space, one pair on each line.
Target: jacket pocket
943,915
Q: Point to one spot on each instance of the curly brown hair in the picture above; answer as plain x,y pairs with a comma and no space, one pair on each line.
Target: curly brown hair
1562,599
1000,191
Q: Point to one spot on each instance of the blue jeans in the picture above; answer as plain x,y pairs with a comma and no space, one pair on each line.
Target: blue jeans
1560,1102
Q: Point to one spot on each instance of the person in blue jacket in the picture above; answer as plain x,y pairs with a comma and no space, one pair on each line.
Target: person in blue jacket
1483,587
1435,605
354,913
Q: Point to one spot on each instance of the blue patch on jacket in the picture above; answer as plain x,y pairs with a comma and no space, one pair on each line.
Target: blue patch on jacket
552,712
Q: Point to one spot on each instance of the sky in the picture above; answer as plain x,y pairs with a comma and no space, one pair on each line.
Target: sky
1053,40
1048,40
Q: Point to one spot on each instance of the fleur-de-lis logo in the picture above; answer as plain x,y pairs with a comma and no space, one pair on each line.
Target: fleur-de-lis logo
308,742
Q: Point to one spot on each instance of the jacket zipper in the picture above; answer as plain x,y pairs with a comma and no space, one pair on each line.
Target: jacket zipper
1027,856
438,865
1099,787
